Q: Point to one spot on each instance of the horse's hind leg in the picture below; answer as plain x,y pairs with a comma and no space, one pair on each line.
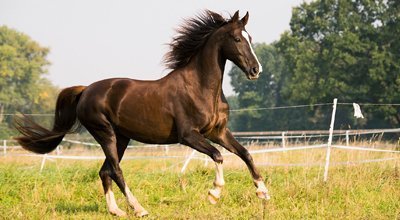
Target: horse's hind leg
114,146
122,143
105,176
106,180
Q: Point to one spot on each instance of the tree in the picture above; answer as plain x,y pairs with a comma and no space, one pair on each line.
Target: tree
23,88
335,49
259,93
348,50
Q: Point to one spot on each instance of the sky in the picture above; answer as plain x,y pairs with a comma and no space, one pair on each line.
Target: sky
90,40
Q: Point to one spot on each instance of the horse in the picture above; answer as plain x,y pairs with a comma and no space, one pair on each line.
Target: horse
186,106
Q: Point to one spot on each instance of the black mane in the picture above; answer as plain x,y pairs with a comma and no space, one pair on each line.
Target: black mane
191,37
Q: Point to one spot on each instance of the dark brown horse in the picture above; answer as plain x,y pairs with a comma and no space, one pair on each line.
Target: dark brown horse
187,106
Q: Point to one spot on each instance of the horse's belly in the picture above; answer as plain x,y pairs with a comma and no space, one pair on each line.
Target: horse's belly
149,129
151,137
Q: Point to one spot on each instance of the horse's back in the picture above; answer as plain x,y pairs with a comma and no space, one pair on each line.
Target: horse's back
140,110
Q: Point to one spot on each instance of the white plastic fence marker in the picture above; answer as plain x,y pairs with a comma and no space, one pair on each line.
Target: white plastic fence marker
43,161
5,147
187,161
328,148
357,111
347,137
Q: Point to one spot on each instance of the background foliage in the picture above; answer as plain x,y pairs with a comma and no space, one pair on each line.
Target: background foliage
23,87
335,49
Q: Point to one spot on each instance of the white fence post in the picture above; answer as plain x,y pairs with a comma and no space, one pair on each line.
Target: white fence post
5,147
166,148
205,160
187,161
283,140
347,137
328,149
43,161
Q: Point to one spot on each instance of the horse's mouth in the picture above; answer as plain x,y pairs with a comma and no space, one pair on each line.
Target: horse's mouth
252,76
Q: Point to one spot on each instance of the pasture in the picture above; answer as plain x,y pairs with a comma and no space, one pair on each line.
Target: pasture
72,189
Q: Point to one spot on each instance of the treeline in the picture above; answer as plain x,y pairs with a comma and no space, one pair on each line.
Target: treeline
342,49
23,87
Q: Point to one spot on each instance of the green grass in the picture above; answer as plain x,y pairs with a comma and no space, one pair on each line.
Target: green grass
72,189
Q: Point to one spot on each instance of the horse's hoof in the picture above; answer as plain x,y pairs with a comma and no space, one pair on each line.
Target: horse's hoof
141,213
118,212
213,199
263,195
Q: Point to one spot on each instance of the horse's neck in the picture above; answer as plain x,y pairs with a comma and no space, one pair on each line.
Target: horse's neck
208,68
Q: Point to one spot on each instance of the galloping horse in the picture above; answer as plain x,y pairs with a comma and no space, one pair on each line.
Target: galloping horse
186,106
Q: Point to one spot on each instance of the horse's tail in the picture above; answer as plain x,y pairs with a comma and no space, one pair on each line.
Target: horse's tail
38,139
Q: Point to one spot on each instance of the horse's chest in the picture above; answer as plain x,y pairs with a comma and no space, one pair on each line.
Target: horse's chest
216,121
209,123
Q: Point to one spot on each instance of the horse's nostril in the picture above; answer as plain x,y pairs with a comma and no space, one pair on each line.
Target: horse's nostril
254,70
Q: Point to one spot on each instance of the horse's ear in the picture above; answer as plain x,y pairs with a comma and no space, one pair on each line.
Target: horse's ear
235,17
245,19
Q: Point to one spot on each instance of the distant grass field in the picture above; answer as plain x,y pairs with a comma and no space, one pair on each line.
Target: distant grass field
72,189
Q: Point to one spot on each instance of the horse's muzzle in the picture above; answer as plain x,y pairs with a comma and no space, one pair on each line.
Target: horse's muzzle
253,73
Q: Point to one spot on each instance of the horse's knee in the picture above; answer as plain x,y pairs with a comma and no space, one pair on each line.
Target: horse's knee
217,157
246,156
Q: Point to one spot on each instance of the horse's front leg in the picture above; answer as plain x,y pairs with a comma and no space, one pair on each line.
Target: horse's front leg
226,140
196,141
219,182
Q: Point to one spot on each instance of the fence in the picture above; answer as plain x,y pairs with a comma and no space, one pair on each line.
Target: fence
283,136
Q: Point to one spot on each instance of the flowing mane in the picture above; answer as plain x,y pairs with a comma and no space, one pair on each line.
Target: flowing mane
191,37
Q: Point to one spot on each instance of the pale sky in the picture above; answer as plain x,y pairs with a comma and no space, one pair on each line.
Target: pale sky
90,40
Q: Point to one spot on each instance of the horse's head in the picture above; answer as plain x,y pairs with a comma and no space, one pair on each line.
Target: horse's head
236,46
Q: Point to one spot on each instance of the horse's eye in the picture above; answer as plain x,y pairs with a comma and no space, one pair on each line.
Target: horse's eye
237,39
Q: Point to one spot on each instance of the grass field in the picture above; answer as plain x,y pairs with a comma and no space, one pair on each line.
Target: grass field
72,189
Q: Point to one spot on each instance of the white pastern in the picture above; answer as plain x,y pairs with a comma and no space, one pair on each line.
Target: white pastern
247,37
262,191
134,203
219,175
215,194
112,204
